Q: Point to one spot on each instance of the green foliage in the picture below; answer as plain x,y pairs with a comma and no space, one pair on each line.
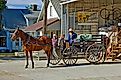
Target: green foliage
2,4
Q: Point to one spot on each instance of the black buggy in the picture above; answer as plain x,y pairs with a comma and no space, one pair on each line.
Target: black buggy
90,47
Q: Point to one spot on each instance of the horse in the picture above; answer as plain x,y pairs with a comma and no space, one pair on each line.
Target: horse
33,44
45,39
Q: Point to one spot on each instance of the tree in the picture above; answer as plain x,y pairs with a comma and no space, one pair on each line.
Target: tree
2,6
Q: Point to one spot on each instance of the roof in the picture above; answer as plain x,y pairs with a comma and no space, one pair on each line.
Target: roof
33,14
13,18
67,2
22,4
56,4
39,25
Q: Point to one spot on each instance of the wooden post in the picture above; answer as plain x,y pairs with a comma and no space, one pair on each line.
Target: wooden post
62,19
45,17
51,35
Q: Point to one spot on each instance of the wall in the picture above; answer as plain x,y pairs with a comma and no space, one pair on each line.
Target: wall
54,13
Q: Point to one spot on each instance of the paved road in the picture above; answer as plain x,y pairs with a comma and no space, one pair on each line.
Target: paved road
14,70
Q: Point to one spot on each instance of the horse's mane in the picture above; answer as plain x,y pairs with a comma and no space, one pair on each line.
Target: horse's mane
43,39
28,34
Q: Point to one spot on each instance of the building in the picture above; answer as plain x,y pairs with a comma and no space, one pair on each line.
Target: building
53,20
5,40
14,16
87,16
35,30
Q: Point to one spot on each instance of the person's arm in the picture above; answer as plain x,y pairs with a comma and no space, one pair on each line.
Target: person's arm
74,36
59,40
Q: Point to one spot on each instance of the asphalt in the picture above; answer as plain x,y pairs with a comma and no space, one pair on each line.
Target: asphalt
14,70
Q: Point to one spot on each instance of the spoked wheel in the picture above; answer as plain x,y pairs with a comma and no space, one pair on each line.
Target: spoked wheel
104,13
116,13
103,57
55,58
70,56
95,53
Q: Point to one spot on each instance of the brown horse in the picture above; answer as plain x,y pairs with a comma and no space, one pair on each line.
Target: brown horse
45,39
33,44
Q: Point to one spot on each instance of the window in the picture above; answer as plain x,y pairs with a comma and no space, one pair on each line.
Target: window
38,34
2,41
17,42
50,10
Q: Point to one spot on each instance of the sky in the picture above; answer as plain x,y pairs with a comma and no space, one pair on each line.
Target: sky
22,3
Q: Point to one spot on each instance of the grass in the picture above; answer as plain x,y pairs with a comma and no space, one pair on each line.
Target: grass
6,54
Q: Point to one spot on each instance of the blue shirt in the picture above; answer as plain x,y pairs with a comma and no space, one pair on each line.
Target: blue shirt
72,37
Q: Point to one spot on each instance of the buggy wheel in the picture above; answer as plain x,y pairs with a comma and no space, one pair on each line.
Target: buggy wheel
70,56
95,53
55,58
102,59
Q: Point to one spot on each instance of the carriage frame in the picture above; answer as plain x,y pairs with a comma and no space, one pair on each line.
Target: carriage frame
92,50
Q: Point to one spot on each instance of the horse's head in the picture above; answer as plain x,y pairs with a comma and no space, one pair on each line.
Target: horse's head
15,35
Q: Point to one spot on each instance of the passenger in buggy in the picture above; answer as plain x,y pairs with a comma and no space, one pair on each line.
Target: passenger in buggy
62,42
54,44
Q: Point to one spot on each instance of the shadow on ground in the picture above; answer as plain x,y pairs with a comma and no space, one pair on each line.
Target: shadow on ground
11,58
84,64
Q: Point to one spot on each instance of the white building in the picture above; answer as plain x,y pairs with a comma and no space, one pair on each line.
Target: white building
53,20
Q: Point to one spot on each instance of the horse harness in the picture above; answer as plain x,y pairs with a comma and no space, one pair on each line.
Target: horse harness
36,42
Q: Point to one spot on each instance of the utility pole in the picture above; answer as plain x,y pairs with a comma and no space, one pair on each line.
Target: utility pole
45,17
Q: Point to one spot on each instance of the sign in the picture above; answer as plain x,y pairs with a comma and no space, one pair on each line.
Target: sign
84,17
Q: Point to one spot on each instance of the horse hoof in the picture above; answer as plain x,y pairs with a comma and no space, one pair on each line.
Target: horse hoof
26,67
32,67
47,65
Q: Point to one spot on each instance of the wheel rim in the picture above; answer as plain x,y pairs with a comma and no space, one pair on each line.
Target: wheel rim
95,53
104,13
71,57
55,58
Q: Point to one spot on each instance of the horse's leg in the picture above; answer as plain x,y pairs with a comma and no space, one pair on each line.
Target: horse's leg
49,52
48,56
27,63
32,59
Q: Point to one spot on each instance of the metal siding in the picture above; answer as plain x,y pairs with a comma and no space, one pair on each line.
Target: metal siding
13,18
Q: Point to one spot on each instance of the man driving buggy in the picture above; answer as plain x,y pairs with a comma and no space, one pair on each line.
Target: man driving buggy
71,36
